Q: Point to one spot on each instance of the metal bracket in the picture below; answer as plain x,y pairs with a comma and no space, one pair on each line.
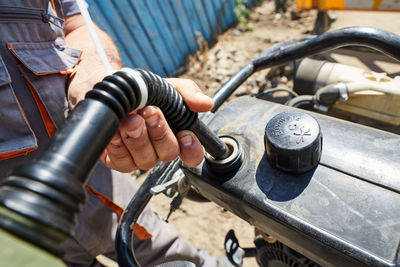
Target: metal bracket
178,183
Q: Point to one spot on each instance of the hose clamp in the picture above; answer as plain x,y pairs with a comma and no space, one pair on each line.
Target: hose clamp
142,86
343,92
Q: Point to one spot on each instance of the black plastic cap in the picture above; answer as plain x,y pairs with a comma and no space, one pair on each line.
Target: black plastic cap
293,142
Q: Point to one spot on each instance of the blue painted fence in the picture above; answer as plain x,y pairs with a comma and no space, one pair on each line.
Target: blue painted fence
157,35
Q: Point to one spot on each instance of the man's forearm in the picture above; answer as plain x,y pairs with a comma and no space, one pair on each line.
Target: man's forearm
145,137
90,68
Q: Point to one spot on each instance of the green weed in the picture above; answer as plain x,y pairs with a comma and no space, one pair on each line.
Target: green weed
242,14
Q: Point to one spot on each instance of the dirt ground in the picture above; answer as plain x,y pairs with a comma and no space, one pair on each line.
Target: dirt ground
205,224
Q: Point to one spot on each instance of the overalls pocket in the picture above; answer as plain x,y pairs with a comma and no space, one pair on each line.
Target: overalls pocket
46,66
16,135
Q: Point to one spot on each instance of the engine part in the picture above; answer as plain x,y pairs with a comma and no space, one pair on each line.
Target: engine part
232,162
286,52
303,101
371,95
239,191
277,254
293,142
343,212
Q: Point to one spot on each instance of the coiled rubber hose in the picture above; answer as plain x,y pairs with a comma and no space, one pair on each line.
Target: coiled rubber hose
38,200
151,89
128,89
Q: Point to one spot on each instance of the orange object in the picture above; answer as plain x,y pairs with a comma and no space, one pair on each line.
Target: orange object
321,4
381,5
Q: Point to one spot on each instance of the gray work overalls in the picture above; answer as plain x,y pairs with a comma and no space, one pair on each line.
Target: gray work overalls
34,68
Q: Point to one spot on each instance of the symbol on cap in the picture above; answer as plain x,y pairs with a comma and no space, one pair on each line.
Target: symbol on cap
301,134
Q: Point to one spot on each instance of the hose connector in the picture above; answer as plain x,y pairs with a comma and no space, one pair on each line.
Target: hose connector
231,161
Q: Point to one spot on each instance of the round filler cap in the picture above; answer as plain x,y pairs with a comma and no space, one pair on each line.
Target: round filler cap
293,142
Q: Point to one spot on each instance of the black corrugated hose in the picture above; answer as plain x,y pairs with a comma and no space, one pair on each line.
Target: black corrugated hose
54,182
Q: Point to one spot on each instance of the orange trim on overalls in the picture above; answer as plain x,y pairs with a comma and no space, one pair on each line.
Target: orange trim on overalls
47,121
13,154
9,155
69,71
139,230
108,202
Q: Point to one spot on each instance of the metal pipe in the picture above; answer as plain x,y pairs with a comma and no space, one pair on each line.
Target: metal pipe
383,41
227,89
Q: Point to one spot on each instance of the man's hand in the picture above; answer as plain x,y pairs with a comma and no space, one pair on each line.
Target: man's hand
145,137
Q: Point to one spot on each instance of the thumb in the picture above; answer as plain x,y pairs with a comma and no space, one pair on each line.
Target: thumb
194,98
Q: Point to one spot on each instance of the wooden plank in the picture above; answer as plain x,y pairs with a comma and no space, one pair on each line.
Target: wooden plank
174,26
185,24
217,4
218,17
211,17
221,9
131,54
158,34
230,15
139,36
163,28
201,14
144,16
193,19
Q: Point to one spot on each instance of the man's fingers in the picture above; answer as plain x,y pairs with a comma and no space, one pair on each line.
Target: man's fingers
117,156
145,137
192,95
161,136
136,139
191,150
